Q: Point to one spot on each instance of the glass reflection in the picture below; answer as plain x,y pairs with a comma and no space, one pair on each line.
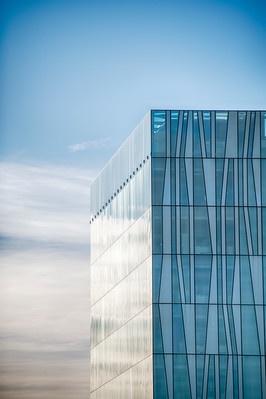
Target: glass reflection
179,243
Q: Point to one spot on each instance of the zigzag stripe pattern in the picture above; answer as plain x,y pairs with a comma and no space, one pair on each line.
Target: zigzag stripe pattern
209,247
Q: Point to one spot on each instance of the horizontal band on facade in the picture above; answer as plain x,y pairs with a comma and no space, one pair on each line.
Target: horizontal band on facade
120,188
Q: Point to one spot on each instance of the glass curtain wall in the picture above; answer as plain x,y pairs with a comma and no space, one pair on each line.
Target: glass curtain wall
209,254
178,260
121,273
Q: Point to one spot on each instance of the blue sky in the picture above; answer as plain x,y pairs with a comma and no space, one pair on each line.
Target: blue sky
79,71
76,77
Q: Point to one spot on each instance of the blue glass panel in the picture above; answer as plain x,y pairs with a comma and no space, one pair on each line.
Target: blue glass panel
251,134
173,132
241,132
251,185
229,199
184,134
245,280
250,342
223,361
242,233
222,335
200,370
218,231
157,331
183,183
219,279
157,236
232,328
252,377
199,183
236,376
184,233
173,181
186,275
167,328
207,131
211,379
169,366
175,281
203,265
182,388
231,140
158,176
158,133
254,228
160,385
178,330
201,327
219,179
230,262
221,128
156,276
230,230
196,136
202,231
166,184
167,237
189,327
240,183
173,230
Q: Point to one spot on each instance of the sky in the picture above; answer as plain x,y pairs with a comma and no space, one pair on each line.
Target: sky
76,77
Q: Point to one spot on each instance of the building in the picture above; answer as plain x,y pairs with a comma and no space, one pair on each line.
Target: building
178,260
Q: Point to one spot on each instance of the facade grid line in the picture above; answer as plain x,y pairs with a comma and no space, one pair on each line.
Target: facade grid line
178,259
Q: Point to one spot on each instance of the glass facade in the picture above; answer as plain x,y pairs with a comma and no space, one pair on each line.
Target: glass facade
178,260
121,273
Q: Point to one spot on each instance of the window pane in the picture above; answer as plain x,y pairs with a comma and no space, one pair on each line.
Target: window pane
159,133
251,377
202,231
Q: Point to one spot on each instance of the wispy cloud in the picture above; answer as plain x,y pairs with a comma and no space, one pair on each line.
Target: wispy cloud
44,329
90,145
43,203
44,282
